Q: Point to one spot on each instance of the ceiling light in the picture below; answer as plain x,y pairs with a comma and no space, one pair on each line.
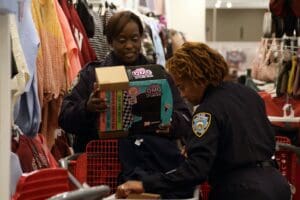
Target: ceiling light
229,4
218,4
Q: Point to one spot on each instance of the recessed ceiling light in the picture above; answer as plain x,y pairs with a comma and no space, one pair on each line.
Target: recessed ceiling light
218,4
229,4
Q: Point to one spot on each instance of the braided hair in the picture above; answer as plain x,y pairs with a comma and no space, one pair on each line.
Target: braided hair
199,63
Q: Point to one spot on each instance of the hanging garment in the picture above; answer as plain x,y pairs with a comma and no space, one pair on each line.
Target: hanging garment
147,45
282,80
74,66
286,10
52,52
155,29
292,74
86,17
27,112
51,65
295,6
99,42
296,86
87,52
278,7
22,77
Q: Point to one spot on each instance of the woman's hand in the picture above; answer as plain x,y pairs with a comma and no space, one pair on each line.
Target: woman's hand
95,103
129,187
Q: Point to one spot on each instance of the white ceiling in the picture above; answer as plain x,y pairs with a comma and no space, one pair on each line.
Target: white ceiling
239,3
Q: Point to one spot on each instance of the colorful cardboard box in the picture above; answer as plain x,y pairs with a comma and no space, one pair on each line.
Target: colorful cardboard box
113,82
143,101
150,97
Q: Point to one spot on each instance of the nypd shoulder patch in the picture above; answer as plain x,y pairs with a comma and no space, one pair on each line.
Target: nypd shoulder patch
201,122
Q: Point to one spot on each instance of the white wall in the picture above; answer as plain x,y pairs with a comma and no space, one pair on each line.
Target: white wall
244,4
187,16
235,24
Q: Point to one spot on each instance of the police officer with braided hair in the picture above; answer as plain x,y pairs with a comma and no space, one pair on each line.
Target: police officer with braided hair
231,143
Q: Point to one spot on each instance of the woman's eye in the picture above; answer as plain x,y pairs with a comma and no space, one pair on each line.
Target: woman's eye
135,39
121,40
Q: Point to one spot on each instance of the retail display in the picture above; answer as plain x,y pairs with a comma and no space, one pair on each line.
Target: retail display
150,97
277,64
112,82
51,41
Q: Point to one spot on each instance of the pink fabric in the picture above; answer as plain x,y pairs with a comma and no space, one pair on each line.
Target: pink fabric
72,50
51,65
87,53
51,60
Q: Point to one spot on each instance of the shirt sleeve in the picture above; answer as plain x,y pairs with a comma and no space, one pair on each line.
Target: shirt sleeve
74,118
201,148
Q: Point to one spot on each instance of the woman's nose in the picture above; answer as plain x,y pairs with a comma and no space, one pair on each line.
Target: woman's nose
128,45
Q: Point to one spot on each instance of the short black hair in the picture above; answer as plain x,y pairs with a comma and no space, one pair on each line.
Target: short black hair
118,21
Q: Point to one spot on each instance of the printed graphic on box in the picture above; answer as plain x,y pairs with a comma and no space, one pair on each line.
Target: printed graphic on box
112,120
147,103
150,96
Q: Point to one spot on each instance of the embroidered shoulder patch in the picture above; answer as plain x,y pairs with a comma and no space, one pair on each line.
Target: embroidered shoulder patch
74,83
201,122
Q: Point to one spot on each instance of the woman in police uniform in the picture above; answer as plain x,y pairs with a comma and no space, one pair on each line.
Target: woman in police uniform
143,151
231,143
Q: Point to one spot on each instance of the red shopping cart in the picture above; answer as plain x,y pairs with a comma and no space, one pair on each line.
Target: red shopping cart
42,184
103,166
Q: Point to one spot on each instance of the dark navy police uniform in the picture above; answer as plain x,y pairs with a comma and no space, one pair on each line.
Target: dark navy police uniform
141,153
231,146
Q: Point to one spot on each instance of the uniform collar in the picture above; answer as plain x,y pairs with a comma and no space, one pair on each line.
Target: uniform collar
209,90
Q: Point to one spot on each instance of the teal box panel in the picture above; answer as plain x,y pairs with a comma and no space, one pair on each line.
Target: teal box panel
150,97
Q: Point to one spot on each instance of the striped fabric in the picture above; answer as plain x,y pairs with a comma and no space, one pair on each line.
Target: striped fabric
98,42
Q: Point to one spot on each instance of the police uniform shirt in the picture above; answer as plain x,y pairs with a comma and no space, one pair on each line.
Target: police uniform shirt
230,131
140,152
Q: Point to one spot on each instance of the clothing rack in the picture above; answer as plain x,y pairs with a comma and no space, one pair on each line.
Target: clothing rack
283,48
282,38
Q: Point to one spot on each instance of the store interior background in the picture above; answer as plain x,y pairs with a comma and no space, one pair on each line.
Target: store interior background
225,25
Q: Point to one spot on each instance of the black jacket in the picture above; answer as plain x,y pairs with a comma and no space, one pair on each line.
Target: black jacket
155,154
230,131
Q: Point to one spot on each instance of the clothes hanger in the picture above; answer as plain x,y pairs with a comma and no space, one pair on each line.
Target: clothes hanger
100,7
112,6
281,38
287,108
